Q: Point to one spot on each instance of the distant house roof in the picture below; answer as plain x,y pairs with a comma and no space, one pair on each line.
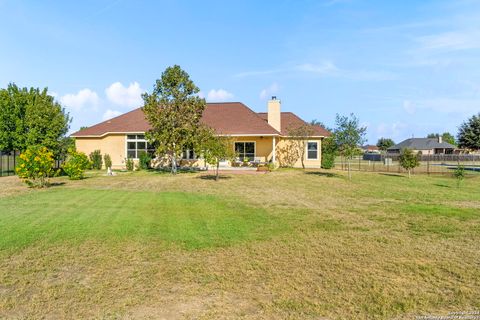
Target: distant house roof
228,118
289,120
370,147
422,144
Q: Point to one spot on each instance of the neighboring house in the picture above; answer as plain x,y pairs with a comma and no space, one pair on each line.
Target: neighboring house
370,149
259,137
424,145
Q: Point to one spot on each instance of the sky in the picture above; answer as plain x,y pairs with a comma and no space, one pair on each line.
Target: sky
404,68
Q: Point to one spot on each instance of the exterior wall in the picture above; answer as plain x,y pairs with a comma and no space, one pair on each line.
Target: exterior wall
114,145
284,153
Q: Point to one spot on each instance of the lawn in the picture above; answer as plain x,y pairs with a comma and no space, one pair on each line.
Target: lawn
288,244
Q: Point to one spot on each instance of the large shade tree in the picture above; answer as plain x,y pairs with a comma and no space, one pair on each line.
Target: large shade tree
469,133
31,117
174,110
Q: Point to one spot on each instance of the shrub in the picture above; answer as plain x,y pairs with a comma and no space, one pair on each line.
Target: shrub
75,165
459,174
35,166
329,151
129,164
96,159
144,160
107,160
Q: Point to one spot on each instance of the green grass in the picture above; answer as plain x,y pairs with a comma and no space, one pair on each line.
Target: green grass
189,220
290,244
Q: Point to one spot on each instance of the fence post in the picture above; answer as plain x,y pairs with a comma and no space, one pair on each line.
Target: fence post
428,167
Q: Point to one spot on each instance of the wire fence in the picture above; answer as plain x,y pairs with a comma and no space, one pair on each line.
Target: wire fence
9,160
429,164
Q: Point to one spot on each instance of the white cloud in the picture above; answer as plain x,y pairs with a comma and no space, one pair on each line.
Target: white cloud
109,114
219,95
326,67
267,92
451,41
450,105
83,99
409,107
125,96
391,130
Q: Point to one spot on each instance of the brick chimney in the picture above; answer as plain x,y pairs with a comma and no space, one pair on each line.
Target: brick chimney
440,139
274,118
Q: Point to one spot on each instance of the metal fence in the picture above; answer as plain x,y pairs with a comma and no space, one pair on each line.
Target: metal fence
429,164
9,160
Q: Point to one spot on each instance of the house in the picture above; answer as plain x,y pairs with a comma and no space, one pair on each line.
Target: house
258,137
426,146
369,148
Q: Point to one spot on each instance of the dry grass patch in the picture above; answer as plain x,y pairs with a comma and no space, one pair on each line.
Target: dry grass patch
310,246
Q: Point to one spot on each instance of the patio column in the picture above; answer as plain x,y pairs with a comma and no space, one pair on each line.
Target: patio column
273,149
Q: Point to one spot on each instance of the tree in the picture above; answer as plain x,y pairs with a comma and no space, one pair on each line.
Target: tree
174,111
469,133
459,174
408,160
31,117
299,136
446,136
385,143
214,148
348,135
329,152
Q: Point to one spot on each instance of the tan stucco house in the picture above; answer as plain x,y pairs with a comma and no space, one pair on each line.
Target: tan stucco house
258,137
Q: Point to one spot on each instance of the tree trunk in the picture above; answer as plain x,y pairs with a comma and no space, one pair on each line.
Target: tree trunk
216,175
408,173
174,164
349,173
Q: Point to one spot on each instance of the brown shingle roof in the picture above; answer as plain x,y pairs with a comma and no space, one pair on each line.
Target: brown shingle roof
290,120
230,118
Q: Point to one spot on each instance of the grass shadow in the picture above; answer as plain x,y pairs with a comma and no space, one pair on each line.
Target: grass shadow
212,177
324,174
393,175
442,185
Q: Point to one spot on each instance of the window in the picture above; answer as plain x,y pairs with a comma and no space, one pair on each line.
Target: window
189,155
312,150
137,144
245,150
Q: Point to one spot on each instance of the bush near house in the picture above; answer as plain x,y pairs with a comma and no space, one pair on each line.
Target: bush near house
129,164
35,166
107,160
144,160
76,164
96,159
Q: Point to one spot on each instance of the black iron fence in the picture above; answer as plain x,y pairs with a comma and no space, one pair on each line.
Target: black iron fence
9,160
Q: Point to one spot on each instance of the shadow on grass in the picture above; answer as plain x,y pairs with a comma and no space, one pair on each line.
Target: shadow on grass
324,174
393,175
212,177
442,185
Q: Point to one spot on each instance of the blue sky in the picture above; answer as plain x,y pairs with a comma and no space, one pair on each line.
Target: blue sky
403,67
